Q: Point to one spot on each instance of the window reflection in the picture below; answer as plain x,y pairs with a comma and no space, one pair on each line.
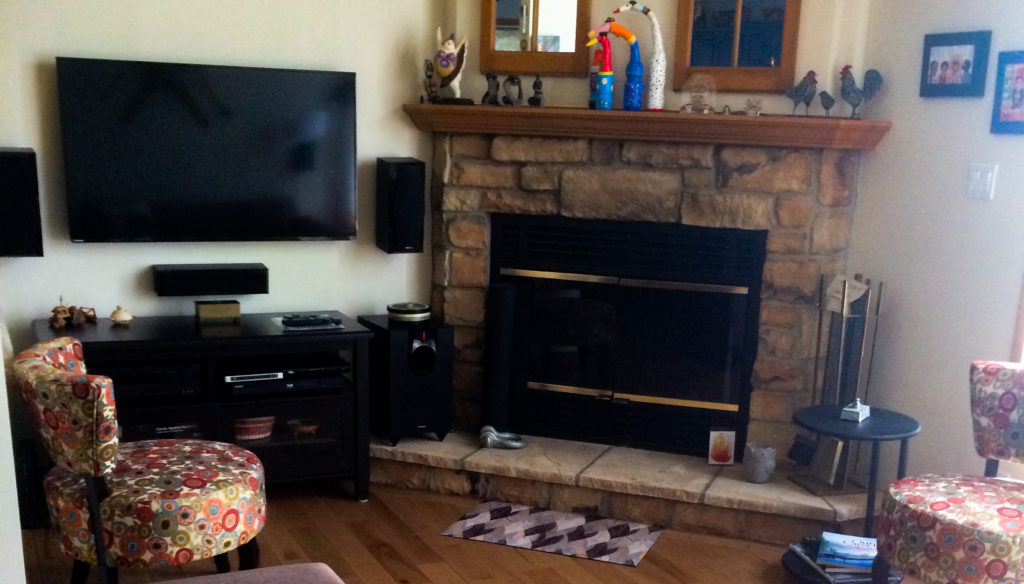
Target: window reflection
546,26
715,27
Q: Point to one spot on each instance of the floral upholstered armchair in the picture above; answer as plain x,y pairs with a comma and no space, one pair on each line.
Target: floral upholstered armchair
147,503
962,528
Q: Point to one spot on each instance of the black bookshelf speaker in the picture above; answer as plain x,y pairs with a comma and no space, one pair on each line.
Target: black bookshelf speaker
20,227
411,367
209,279
400,204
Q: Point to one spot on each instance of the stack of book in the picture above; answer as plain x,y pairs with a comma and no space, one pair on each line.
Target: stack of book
841,559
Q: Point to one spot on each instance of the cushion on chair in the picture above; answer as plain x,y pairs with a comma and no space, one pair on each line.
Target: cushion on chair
170,501
963,529
997,393
73,412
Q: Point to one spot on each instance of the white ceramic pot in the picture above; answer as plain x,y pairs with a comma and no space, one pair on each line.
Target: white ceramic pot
758,462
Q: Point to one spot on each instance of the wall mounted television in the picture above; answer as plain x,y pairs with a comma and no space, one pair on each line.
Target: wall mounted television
184,152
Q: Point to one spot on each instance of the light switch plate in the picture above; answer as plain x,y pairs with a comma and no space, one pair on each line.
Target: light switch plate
981,181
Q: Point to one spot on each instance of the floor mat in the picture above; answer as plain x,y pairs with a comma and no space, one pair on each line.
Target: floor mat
570,534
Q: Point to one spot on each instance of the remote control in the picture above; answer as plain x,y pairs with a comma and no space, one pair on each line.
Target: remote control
301,320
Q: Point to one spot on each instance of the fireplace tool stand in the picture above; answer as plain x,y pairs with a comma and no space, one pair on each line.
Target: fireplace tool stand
848,313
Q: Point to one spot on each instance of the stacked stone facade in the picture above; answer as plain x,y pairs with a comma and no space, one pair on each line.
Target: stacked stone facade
803,197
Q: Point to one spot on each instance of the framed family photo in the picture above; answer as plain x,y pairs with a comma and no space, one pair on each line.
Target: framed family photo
1008,103
954,64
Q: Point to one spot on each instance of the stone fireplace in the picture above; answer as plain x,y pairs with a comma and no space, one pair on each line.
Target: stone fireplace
802,196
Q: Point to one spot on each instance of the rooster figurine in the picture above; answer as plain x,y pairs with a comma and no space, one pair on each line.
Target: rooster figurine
854,95
827,101
448,62
804,91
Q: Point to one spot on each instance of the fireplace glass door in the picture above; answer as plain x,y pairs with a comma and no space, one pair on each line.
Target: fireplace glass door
671,343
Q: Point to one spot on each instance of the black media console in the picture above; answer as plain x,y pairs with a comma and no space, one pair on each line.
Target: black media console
173,378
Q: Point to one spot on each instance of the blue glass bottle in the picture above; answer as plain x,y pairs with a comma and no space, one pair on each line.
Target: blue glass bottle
633,95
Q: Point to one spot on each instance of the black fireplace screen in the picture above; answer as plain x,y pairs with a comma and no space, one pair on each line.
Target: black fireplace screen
626,333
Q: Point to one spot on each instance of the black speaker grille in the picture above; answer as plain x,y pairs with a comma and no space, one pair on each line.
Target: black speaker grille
20,226
628,249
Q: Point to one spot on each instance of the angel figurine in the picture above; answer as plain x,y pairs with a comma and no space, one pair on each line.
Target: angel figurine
449,61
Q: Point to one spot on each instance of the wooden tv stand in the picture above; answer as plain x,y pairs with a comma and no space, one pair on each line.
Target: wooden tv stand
169,381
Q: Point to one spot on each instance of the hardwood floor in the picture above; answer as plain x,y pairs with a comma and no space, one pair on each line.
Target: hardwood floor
395,538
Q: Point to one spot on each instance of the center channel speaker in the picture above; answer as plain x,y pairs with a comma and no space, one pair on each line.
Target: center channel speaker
209,279
410,377
400,204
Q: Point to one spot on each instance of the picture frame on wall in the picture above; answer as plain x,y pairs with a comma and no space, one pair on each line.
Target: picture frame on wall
955,64
1008,101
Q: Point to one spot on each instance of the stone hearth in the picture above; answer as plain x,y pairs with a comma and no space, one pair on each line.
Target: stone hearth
804,197
673,490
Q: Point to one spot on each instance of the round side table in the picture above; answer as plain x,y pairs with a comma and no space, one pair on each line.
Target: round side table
881,426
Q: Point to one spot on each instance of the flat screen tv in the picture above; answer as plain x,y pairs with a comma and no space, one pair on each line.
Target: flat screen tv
181,152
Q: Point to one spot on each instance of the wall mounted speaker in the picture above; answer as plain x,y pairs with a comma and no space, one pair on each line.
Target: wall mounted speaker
209,279
400,204
20,228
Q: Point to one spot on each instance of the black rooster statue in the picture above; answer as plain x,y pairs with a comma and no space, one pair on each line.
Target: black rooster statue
855,96
491,95
804,91
827,101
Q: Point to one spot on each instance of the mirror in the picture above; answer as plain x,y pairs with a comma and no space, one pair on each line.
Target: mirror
744,45
546,37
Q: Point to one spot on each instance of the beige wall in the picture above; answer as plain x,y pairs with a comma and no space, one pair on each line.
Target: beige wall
382,41
952,265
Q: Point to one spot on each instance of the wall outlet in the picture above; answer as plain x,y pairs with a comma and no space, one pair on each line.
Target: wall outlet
981,181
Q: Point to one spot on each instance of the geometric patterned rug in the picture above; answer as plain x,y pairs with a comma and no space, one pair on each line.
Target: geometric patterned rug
557,532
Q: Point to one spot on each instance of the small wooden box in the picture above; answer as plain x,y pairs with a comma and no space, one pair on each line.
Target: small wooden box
218,311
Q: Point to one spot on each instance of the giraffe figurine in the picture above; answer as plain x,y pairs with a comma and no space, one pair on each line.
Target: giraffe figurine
656,81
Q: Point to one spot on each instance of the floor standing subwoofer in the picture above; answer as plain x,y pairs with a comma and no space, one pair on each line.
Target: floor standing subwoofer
410,377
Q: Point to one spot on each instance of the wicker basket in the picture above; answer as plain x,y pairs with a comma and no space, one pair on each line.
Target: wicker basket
254,428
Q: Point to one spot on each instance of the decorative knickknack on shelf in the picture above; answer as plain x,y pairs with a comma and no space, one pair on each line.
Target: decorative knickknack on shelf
656,78
121,316
758,462
447,65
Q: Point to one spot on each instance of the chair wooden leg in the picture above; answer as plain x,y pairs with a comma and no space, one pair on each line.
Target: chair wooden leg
79,572
222,562
879,570
249,555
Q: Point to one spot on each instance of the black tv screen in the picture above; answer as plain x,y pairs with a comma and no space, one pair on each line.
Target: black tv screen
180,152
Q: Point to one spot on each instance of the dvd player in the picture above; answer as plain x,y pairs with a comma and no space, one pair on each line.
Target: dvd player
254,377
297,379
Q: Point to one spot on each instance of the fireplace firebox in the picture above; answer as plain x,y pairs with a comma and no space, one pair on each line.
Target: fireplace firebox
628,333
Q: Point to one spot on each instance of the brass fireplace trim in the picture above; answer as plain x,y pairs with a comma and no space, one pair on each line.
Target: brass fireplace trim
684,403
598,393
559,276
616,396
631,282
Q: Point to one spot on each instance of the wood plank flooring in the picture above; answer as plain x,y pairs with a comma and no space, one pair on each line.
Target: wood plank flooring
395,538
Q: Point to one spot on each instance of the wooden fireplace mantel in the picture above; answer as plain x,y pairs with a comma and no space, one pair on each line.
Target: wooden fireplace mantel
668,126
